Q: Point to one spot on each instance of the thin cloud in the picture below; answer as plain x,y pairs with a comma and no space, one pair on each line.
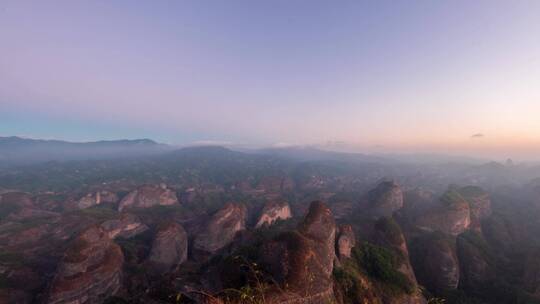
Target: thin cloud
212,143
477,136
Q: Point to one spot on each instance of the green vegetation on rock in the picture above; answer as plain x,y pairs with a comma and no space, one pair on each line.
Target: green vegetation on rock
471,191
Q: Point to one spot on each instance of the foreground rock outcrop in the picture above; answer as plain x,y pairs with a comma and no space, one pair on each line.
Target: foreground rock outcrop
301,261
221,229
90,270
272,212
169,248
147,196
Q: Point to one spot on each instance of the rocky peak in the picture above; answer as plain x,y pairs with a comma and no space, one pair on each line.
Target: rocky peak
90,270
169,248
96,198
479,204
273,211
451,215
386,198
89,200
147,196
126,226
221,229
345,241
319,223
301,261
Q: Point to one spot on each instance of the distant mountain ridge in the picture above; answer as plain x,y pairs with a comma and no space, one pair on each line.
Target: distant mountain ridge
15,151
16,140
21,151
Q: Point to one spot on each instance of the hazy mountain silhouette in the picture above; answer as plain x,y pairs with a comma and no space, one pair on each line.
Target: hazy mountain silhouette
20,151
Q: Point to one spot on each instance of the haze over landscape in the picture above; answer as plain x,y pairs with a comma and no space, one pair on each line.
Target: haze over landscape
269,152
377,77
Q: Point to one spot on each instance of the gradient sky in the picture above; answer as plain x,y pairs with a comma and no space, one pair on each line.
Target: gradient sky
383,76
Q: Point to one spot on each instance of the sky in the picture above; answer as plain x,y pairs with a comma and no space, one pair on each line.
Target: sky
458,77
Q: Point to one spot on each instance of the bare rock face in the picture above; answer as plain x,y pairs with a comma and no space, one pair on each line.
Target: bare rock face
272,212
451,215
319,225
386,198
169,248
147,196
301,261
221,228
96,198
89,200
435,262
479,203
90,270
127,226
345,241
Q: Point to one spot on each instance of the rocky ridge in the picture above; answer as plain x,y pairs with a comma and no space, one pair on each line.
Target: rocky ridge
147,196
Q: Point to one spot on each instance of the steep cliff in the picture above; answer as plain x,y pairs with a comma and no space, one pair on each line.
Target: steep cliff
435,262
169,248
221,229
272,212
451,215
301,261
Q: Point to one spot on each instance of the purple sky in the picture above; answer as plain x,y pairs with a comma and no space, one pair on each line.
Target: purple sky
377,76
